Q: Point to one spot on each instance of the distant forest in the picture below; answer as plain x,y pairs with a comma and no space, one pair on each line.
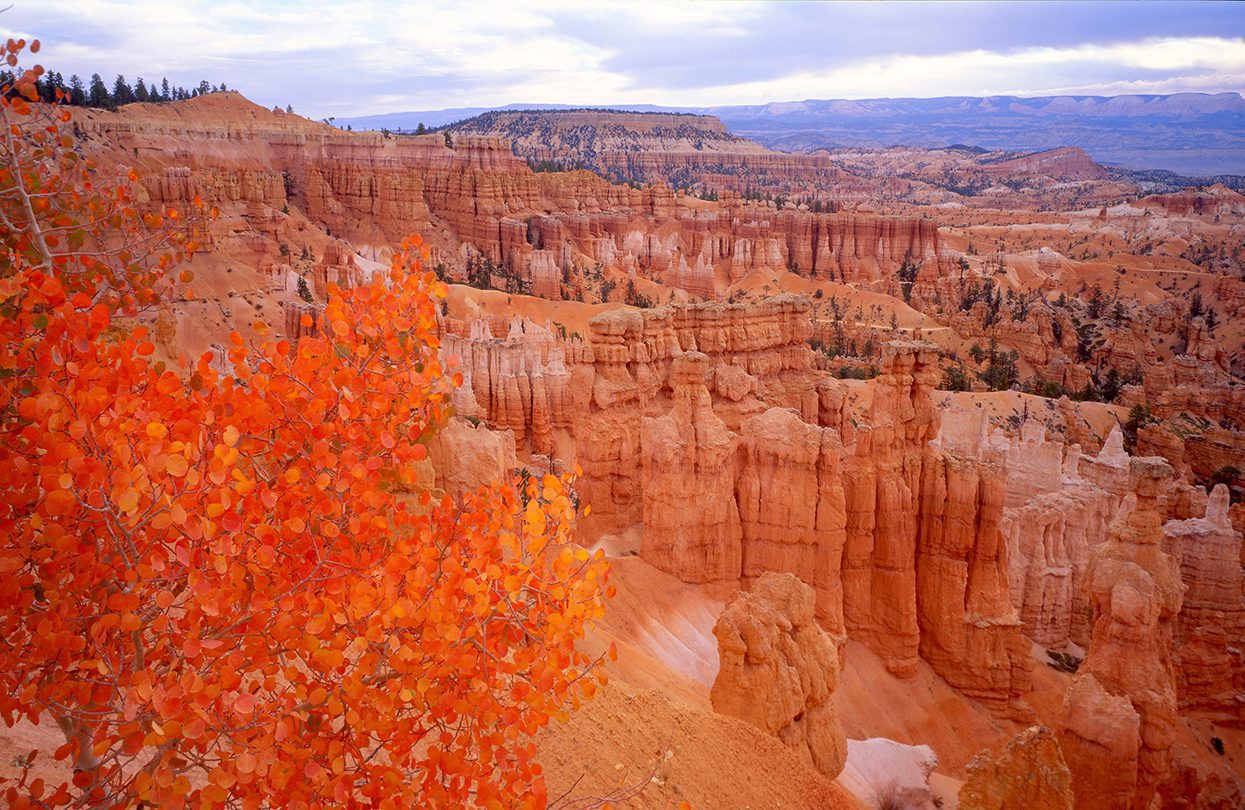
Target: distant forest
95,93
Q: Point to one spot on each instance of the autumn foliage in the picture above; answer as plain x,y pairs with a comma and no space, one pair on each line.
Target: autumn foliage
221,579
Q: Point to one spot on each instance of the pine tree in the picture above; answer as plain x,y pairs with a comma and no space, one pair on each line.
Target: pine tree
47,86
99,96
165,93
421,129
1110,388
121,92
77,91
1096,302
140,90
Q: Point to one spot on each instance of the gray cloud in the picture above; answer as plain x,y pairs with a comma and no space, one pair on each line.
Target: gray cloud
366,56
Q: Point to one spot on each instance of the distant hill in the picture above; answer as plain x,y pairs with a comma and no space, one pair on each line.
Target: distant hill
1193,134
1186,133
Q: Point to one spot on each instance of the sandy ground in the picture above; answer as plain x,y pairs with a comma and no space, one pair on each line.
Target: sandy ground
653,719
657,702
628,737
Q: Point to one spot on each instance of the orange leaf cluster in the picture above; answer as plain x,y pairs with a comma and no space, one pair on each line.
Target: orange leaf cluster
215,580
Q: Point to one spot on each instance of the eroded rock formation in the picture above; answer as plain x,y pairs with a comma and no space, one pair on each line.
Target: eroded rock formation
792,506
970,632
633,146
691,521
1209,636
1054,516
710,426
1028,774
466,457
480,206
779,669
883,485
1120,714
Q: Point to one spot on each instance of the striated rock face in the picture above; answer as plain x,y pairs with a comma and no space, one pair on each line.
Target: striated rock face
792,507
970,632
691,522
626,374
1191,386
520,382
779,669
1209,637
1216,201
1049,541
1100,736
707,425
1064,163
1120,714
608,434
882,486
1029,774
1054,516
338,266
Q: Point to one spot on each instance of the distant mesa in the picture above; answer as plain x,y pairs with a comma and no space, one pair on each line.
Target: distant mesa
679,149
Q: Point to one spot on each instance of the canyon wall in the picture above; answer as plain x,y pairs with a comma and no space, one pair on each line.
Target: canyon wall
928,536
272,175
1059,503
970,631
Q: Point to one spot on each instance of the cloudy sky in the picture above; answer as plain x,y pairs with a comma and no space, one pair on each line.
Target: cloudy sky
352,57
